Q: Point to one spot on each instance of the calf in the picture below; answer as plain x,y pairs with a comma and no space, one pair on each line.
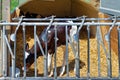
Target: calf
61,40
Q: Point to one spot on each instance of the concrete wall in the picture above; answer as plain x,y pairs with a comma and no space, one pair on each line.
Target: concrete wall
60,8
80,8
48,8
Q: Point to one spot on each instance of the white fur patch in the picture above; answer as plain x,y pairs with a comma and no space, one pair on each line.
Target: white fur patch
49,59
62,71
49,31
73,31
26,54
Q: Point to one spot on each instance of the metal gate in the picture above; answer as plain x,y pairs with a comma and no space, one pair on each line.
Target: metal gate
80,22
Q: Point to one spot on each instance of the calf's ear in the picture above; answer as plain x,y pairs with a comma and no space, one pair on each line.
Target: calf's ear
27,46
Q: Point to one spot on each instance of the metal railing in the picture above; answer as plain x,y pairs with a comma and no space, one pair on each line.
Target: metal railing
49,21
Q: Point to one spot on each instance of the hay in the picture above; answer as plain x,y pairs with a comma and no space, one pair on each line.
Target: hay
83,57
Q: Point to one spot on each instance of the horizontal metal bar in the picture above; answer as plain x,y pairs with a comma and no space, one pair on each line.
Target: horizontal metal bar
59,23
63,19
59,78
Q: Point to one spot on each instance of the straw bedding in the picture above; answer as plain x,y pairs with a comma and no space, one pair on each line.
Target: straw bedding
60,50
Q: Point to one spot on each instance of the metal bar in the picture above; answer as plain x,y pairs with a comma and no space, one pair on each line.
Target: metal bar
46,52
88,52
14,63
45,61
39,44
6,40
24,45
60,23
72,46
109,54
103,46
66,52
4,53
113,24
83,20
55,59
59,78
35,57
64,19
52,19
106,53
98,48
108,39
1,51
77,56
119,49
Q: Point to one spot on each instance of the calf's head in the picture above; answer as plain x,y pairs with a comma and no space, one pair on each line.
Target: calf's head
29,57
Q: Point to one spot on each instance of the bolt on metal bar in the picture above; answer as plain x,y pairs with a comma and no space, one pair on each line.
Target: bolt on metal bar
98,48
88,52
118,29
35,55
66,51
24,46
55,65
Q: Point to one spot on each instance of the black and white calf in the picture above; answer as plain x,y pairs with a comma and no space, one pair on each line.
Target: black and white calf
51,44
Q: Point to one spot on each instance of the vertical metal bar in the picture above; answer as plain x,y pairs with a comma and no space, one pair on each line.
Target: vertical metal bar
55,65
35,57
1,51
67,54
14,61
109,51
4,53
88,51
77,60
107,37
98,50
24,43
45,58
119,49
0,9
77,56
46,52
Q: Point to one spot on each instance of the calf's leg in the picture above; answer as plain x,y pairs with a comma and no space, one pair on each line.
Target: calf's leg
64,63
